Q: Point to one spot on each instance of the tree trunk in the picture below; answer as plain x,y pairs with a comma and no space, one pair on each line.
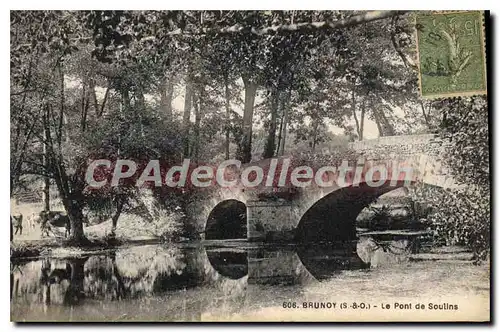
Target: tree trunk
271,136
46,180
73,203
228,115
114,219
246,144
279,135
426,118
75,214
353,108
388,128
237,131
362,121
59,132
198,109
46,155
286,109
72,199
166,96
379,126
188,97
125,99
378,121
69,187
85,107
315,135
92,87
46,193
99,109
141,103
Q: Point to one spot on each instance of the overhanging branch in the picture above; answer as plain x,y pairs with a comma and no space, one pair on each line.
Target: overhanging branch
368,16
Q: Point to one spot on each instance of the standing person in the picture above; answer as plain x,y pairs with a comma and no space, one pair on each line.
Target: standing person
18,221
44,223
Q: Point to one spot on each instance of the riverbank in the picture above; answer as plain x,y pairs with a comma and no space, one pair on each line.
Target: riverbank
31,244
60,248
27,250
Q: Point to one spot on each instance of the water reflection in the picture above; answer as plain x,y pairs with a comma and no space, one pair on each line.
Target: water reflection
327,261
229,263
184,279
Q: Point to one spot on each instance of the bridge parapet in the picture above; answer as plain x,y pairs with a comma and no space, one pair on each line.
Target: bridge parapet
387,146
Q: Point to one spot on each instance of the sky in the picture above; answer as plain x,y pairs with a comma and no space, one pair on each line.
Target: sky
370,128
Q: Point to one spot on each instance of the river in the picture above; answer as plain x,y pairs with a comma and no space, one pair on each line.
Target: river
237,280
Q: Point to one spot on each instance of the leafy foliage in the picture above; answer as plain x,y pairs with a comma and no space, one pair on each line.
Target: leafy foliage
462,215
254,84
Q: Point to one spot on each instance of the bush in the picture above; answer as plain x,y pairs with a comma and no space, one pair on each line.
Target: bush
164,224
462,215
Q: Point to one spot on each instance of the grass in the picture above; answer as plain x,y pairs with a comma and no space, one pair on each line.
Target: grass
130,227
22,250
131,230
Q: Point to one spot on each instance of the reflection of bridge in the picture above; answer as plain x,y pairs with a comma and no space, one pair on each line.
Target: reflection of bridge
178,284
299,265
322,213
302,264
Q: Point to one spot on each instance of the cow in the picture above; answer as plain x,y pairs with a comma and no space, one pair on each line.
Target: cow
49,219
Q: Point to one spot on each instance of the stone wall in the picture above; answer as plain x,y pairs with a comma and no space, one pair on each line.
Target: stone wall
388,146
269,221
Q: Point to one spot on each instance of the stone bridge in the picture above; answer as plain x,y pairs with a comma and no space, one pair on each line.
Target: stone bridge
321,211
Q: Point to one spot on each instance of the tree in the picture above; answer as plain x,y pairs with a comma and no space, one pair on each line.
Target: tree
48,35
463,215
101,84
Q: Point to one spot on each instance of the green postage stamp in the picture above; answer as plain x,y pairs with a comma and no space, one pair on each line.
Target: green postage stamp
451,54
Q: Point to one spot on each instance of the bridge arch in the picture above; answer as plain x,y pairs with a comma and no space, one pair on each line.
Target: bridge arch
332,217
227,220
